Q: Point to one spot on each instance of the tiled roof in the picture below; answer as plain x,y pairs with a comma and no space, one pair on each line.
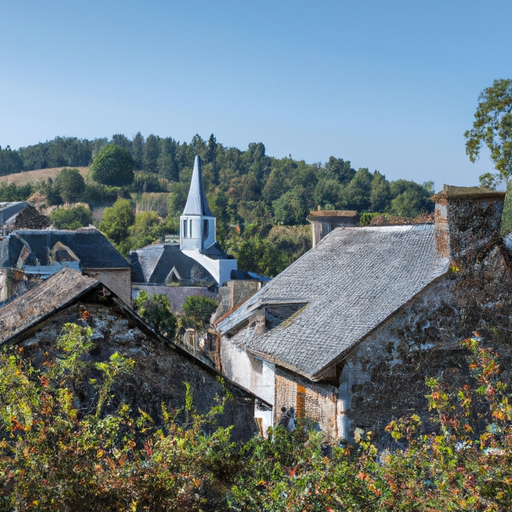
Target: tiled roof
350,283
41,301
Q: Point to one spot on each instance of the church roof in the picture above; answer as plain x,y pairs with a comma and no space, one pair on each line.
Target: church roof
337,293
152,264
197,203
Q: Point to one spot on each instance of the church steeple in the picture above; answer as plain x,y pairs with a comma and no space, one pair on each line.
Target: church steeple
197,223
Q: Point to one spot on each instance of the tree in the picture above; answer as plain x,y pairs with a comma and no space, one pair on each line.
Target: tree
70,184
112,166
199,309
71,218
156,311
380,194
151,153
493,127
117,221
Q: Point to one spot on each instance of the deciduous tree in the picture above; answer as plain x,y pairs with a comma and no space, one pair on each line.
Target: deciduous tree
112,166
493,127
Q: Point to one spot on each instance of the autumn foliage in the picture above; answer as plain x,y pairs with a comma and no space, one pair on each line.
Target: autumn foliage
58,453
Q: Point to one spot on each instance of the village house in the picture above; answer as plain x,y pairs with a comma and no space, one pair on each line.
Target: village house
34,321
347,334
27,257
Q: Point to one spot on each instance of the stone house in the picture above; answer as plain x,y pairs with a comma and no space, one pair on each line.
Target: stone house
347,334
29,256
35,320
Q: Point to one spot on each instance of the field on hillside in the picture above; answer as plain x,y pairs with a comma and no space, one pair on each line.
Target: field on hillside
21,178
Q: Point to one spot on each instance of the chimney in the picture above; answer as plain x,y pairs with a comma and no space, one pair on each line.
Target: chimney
324,221
467,222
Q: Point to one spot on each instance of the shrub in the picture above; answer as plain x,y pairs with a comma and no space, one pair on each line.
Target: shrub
71,218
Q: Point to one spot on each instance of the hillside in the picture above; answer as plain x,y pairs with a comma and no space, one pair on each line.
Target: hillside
21,178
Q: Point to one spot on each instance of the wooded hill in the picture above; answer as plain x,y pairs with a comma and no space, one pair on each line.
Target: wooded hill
250,193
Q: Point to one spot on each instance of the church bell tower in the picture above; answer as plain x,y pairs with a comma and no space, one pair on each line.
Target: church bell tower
197,223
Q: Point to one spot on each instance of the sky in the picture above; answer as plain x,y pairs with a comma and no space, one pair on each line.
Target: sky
388,85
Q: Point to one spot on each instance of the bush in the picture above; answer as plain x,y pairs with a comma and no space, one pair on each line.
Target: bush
71,218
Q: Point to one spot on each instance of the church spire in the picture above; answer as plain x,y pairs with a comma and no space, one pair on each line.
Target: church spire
197,204
197,223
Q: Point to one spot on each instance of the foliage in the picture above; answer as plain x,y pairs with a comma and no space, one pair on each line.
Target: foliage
268,250
59,452
117,221
12,192
245,188
198,310
493,127
71,218
112,166
70,184
156,311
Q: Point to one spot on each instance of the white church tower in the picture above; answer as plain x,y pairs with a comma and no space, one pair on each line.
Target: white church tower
197,223
198,238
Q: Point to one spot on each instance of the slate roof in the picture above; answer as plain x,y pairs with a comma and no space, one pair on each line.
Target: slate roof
9,209
197,203
43,300
349,284
152,264
90,246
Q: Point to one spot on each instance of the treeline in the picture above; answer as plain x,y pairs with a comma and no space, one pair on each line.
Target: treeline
250,193
248,186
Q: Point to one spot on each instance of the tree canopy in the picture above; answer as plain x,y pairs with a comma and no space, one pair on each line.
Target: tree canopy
112,166
493,127
70,184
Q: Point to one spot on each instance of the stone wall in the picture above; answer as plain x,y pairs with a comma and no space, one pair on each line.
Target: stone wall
160,369
117,280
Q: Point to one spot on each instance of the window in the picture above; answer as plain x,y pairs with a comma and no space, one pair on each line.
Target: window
205,228
185,235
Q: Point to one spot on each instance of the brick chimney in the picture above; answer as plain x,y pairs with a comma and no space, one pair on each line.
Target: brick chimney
467,222
324,221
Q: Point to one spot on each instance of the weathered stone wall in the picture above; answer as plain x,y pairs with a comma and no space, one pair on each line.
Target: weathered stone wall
160,369
117,280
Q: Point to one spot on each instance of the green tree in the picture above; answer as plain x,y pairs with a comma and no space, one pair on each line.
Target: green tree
291,208
146,229
70,184
199,309
71,218
112,166
493,127
117,221
380,194
156,311
138,150
357,194
151,154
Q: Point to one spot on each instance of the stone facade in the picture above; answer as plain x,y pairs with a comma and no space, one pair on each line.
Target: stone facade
381,375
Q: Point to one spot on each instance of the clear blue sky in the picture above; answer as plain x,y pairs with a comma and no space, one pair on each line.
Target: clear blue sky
389,85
